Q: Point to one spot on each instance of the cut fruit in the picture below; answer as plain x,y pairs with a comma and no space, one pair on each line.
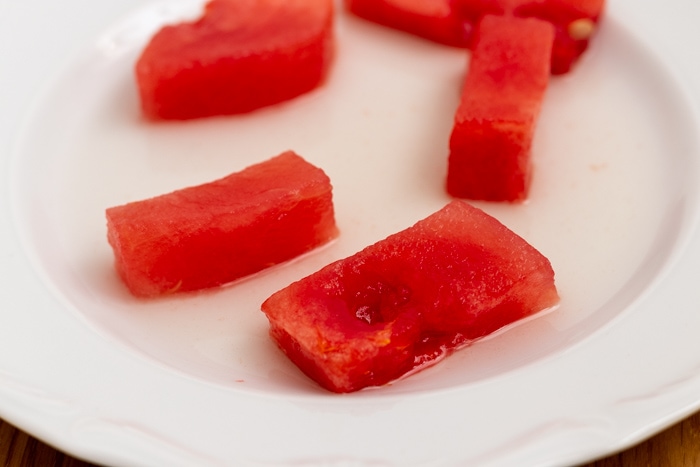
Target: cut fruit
491,140
212,234
409,300
241,55
435,20
453,22
575,23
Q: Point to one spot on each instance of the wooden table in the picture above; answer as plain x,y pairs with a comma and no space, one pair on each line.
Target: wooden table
677,446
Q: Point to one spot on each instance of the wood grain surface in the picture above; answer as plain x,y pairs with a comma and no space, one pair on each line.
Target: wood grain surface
677,446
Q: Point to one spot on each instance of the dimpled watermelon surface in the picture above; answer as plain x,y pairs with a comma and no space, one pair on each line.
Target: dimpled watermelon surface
211,234
491,140
241,55
410,299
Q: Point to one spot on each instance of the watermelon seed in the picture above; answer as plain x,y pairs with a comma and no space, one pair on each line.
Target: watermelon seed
581,29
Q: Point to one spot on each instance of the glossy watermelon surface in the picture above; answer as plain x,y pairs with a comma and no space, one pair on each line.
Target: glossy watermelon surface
410,299
207,235
490,144
241,55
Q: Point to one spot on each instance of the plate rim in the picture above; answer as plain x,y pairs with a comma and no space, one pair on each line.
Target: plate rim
20,389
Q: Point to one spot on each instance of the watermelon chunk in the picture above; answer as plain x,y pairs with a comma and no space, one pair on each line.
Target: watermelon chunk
408,300
575,22
211,234
431,19
241,55
491,140
453,22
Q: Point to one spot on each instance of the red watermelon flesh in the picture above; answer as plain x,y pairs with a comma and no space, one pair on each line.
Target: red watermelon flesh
490,144
410,299
212,234
453,22
575,22
431,19
241,55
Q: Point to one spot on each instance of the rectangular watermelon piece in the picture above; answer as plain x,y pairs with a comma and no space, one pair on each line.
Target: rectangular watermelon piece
409,300
491,140
238,57
211,234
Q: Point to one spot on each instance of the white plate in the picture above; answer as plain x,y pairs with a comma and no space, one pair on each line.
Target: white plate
194,379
